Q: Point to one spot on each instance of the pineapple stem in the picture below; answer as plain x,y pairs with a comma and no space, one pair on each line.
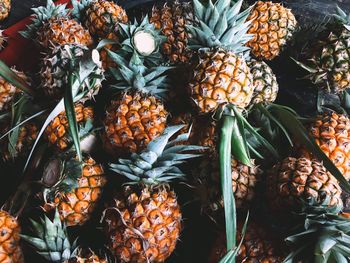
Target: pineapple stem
226,181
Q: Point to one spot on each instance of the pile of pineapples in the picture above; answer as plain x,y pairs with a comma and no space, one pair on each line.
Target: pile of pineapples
136,129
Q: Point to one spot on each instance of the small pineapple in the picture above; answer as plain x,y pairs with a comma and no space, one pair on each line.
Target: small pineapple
10,250
331,132
73,187
55,68
221,74
58,133
258,246
19,142
8,91
144,222
328,60
264,82
272,27
52,243
244,182
101,17
5,7
293,180
172,19
136,115
52,27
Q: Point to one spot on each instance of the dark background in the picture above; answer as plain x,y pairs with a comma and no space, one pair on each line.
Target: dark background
198,231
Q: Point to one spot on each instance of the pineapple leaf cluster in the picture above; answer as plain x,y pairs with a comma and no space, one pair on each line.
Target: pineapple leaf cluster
158,162
147,50
42,14
134,74
220,25
324,235
51,239
343,17
79,7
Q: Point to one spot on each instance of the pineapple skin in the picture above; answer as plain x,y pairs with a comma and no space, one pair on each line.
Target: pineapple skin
102,18
132,120
272,27
139,217
172,19
75,206
57,132
331,132
264,82
61,31
220,77
10,250
296,179
5,7
244,182
258,246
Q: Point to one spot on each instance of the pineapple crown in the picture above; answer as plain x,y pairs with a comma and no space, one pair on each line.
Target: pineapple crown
158,162
43,14
324,236
51,239
79,7
343,18
142,38
61,174
220,25
134,74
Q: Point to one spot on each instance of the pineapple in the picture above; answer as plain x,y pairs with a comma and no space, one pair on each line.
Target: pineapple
332,134
264,82
136,115
58,133
272,27
73,187
320,234
19,142
144,222
52,243
244,182
172,19
10,250
258,246
293,180
101,17
8,91
52,27
329,62
5,7
221,74
107,61
55,70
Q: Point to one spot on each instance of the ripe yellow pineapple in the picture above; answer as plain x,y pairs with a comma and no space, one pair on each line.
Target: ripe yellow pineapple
293,181
144,222
8,90
272,27
332,134
52,26
172,19
101,17
220,74
136,115
5,7
58,133
73,187
52,243
258,246
10,250
244,182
